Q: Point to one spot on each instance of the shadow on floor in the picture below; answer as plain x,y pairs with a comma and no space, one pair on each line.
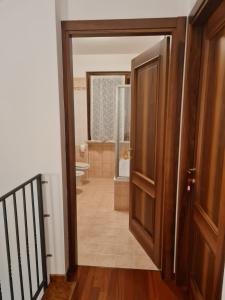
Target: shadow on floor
79,191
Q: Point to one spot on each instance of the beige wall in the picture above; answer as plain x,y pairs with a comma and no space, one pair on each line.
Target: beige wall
86,63
102,160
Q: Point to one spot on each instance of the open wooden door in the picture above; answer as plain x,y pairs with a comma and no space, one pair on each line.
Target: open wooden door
149,94
208,201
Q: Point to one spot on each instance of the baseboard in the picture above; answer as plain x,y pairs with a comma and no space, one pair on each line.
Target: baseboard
70,274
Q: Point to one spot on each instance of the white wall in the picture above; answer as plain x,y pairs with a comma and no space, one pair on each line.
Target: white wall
101,9
191,5
112,62
30,134
86,63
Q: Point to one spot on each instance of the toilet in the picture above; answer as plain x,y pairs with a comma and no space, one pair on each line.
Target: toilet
82,166
79,174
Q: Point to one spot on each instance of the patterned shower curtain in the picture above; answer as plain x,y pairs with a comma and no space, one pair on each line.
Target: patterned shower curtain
103,106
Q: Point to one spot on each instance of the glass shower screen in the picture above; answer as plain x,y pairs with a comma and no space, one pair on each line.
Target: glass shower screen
123,111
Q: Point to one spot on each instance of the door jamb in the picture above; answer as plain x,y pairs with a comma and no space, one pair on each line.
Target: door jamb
176,27
198,16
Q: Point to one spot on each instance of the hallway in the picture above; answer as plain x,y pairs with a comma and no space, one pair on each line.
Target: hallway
112,152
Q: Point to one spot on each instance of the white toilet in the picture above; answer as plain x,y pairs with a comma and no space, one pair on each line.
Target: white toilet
82,166
79,174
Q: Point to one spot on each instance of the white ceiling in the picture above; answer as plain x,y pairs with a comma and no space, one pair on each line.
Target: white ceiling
113,45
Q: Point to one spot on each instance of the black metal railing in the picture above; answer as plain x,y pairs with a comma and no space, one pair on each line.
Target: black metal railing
20,198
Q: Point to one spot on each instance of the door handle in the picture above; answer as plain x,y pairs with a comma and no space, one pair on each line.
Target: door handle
191,170
130,150
190,178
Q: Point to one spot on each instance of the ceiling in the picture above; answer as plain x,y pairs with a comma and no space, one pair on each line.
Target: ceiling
113,45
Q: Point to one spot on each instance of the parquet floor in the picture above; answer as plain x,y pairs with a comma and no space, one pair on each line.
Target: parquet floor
95,283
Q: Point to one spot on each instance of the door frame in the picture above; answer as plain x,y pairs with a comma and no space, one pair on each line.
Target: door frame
200,13
176,27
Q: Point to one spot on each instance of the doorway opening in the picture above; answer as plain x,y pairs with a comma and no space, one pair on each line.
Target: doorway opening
102,107
156,236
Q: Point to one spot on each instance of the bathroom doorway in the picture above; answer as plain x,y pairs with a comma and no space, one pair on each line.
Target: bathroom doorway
175,28
102,106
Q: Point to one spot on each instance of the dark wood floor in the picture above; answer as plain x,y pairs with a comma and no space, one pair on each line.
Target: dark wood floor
96,283
59,289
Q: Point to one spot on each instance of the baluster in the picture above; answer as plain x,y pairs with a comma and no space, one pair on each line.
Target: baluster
35,232
27,241
18,245
8,248
0,291
42,230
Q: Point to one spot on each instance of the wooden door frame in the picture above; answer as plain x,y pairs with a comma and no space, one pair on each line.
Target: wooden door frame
176,27
198,16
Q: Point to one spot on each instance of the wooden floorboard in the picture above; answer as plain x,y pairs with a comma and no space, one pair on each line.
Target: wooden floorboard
59,290
94,283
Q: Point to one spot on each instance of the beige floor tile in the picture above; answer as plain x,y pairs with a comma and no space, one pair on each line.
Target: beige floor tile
102,260
104,238
142,262
123,261
86,259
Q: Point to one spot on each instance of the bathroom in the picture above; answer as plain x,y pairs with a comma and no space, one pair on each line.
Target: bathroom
102,106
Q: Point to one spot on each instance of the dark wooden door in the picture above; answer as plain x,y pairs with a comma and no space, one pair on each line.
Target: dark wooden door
149,90
208,203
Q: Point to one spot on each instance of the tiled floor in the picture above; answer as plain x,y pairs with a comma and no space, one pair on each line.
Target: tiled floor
103,236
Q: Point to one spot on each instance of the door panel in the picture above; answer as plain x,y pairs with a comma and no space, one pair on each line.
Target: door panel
208,205
149,88
203,256
144,210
